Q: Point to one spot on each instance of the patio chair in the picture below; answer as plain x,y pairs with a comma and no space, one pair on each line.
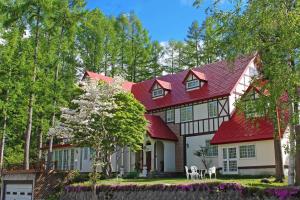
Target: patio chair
212,170
194,174
188,174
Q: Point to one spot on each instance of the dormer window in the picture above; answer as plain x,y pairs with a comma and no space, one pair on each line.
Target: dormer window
192,84
194,80
160,89
157,93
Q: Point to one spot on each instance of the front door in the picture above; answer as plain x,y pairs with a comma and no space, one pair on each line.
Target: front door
230,160
148,160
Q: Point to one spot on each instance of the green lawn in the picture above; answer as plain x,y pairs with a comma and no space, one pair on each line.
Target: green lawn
251,182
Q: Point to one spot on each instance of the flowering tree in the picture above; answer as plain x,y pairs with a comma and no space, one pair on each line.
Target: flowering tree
104,117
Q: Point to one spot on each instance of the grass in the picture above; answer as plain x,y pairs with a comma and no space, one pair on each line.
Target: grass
249,182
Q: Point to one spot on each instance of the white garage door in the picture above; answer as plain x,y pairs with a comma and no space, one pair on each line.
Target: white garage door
18,192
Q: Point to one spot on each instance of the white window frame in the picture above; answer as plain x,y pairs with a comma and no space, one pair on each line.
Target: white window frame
226,160
188,111
191,84
157,93
212,109
170,115
213,149
247,148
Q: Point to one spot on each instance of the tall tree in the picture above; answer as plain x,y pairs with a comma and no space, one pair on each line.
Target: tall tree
193,48
155,67
271,28
173,56
139,50
91,38
122,28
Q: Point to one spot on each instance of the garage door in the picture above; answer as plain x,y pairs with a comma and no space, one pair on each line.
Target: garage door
18,192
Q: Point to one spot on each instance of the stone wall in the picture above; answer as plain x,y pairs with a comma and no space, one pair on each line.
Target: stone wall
212,191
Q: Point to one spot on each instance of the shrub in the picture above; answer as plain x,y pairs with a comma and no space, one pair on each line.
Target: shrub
131,175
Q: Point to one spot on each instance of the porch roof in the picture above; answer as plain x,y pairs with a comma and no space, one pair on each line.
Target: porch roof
157,129
239,129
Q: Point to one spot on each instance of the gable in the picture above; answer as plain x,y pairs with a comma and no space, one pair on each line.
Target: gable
221,79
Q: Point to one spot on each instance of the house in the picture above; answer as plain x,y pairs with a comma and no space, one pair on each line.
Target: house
188,110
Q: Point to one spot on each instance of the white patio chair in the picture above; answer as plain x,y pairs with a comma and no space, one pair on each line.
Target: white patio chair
194,174
188,174
212,170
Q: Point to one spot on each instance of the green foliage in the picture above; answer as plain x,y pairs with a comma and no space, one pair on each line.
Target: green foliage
41,35
128,124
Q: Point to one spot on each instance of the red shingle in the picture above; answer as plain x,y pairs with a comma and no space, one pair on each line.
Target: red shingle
126,85
221,77
158,129
239,129
199,75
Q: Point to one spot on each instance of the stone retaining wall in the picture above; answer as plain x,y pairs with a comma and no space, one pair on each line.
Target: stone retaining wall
186,192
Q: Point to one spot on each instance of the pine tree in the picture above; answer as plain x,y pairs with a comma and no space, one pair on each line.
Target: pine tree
155,66
91,41
193,47
174,56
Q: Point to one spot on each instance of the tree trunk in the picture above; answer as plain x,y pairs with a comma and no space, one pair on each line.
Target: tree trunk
297,155
50,150
297,138
3,141
94,182
291,172
31,96
279,175
40,142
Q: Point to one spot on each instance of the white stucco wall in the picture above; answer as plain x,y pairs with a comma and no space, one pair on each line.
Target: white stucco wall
265,156
193,144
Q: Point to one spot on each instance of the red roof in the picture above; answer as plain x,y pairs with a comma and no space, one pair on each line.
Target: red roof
222,78
199,75
126,85
239,129
158,129
163,84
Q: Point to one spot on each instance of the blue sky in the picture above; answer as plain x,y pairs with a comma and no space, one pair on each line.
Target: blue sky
164,19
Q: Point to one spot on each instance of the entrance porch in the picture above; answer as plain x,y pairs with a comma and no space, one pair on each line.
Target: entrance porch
157,156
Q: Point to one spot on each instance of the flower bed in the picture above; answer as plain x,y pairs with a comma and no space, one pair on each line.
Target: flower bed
203,191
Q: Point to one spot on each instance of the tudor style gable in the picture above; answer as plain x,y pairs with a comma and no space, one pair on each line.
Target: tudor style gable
194,80
160,88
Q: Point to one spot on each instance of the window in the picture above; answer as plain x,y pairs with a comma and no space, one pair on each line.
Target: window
213,109
66,159
186,114
232,165
60,159
192,84
170,115
85,153
232,153
72,159
157,93
247,151
212,150
224,153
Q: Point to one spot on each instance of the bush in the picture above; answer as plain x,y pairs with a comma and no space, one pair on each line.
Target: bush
81,177
131,175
